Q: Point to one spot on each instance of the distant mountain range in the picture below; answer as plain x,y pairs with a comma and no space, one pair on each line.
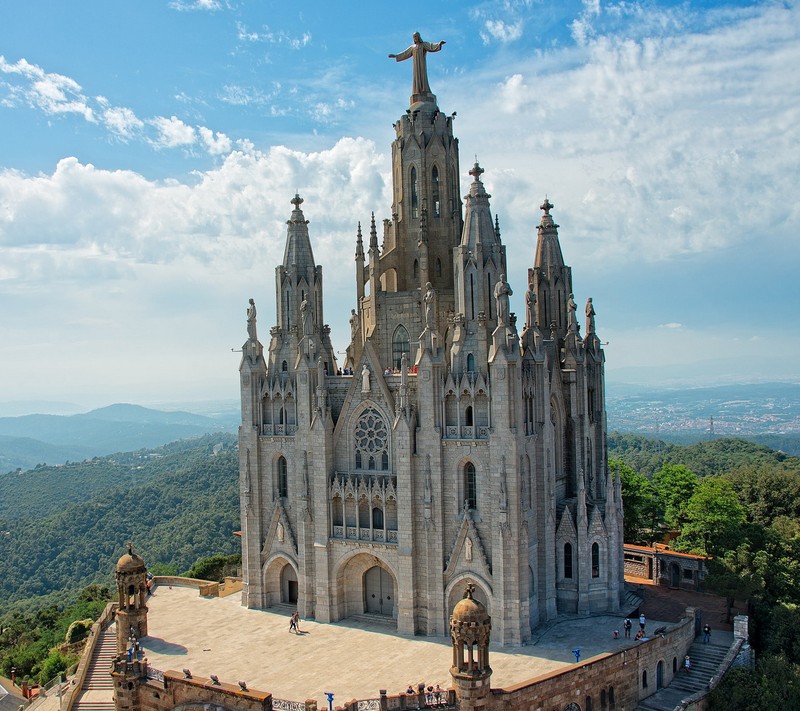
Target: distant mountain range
53,439
767,413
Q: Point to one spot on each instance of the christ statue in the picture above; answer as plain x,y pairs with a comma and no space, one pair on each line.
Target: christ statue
418,50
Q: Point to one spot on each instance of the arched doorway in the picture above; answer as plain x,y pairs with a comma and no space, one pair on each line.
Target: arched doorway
280,582
378,592
659,675
288,585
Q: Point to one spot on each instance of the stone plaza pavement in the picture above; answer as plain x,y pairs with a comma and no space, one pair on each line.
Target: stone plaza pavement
219,636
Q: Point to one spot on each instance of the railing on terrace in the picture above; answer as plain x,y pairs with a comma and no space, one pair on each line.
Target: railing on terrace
354,533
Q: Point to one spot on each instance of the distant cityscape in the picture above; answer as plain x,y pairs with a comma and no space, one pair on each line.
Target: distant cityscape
723,411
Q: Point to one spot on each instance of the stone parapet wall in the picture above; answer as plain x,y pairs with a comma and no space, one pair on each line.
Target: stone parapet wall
619,675
180,582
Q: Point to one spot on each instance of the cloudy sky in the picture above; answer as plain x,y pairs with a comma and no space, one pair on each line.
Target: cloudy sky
149,150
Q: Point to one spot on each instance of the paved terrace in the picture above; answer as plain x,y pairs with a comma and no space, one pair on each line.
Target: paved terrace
351,659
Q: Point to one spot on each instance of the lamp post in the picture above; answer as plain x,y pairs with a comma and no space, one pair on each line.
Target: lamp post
329,696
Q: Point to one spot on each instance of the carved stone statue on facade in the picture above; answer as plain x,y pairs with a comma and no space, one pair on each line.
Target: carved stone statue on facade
305,317
502,291
468,549
430,307
530,306
572,320
365,379
417,51
251,321
589,316
353,324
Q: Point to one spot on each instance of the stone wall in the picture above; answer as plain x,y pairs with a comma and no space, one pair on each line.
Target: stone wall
617,677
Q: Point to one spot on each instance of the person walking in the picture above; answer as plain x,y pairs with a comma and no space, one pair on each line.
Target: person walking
687,664
706,633
627,627
293,623
642,622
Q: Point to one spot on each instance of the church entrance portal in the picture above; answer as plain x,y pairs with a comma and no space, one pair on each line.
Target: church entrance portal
288,585
378,592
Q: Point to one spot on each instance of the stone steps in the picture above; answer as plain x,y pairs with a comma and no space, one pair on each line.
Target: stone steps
706,660
98,676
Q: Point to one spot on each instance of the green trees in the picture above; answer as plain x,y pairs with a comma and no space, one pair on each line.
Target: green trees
712,517
643,510
674,485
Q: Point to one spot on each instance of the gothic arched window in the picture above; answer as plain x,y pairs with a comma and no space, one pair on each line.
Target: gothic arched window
377,517
595,560
470,363
468,419
438,267
371,441
285,366
416,270
567,560
400,345
435,192
470,486
283,478
414,196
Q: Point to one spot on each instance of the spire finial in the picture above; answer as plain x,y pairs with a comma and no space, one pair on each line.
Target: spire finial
476,171
130,547
546,205
497,226
297,201
470,589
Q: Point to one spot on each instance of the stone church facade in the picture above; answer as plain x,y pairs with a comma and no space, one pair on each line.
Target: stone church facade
457,447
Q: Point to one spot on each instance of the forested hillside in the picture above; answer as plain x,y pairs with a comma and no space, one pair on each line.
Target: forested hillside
715,456
739,504
62,528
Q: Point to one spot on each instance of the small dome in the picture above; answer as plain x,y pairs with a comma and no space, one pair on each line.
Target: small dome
130,562
469,610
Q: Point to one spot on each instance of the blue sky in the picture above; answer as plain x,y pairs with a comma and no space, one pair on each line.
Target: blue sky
148,153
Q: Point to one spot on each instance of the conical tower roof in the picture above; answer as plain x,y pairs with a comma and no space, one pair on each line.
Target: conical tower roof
298,246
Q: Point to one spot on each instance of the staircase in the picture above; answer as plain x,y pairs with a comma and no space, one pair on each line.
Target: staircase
632,602
97,692
706,660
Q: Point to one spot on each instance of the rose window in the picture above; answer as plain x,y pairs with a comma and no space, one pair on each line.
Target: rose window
371,442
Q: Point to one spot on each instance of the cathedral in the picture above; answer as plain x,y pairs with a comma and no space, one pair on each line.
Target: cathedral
453,446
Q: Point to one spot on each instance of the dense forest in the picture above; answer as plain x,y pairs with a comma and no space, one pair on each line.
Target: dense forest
63,528
738,503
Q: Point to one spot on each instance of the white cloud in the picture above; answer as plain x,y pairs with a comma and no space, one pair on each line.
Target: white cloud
217,144
158,261
121,121
190,5
51,93
501,31
650,148
172,132
672,325
268,36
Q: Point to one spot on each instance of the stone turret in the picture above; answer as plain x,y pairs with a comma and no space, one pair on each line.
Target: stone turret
131,577
470,632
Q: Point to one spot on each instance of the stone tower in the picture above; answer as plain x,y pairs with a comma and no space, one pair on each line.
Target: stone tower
453,449
131,577
470,632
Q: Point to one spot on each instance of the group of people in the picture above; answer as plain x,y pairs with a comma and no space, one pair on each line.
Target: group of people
434,695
